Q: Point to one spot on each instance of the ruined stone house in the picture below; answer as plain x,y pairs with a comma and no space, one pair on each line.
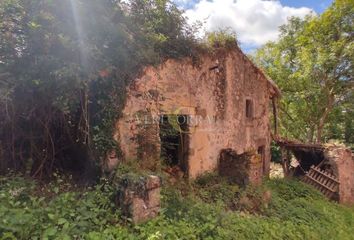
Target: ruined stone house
219,106
334,164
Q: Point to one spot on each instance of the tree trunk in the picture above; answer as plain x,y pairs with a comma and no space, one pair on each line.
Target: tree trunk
310,134
324,117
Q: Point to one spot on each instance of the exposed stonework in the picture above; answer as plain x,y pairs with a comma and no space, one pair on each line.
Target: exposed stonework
341,161
242,169
139,199
213,95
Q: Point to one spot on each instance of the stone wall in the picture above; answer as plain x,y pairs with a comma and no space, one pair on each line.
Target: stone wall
139,199
342,164
241,169
213,93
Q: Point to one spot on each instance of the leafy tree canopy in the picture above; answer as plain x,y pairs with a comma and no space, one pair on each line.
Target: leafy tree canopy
312,62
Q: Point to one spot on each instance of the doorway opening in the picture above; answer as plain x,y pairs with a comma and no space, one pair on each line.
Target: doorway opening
174,140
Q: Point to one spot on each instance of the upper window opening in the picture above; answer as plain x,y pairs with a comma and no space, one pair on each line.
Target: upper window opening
249,108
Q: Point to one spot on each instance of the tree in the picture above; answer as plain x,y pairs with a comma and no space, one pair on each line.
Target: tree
64,67
313,64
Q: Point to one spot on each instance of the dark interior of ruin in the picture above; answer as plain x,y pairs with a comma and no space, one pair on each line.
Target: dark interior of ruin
234,166
174,140
307,158
307,155
249,108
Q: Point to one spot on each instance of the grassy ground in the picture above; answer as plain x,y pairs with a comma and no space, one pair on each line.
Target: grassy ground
209,208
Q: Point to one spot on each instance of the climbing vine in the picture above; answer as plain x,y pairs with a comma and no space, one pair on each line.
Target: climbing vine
64,69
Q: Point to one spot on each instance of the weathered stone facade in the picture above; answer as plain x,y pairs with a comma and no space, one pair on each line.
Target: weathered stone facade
139,200
341,161
242,169
225,98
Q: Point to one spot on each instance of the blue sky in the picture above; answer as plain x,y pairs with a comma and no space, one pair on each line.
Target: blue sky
318,5
254,21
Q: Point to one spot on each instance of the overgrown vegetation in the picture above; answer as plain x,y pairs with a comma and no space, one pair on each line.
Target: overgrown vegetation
64,68
291,211
225,38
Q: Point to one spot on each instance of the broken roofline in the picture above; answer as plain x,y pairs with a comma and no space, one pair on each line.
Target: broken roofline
276,93
296,144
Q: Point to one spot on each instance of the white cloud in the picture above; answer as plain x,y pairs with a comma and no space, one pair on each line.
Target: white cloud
254,21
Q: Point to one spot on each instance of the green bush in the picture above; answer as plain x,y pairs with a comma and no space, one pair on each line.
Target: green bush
211,188
224,38
26,213
295,211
